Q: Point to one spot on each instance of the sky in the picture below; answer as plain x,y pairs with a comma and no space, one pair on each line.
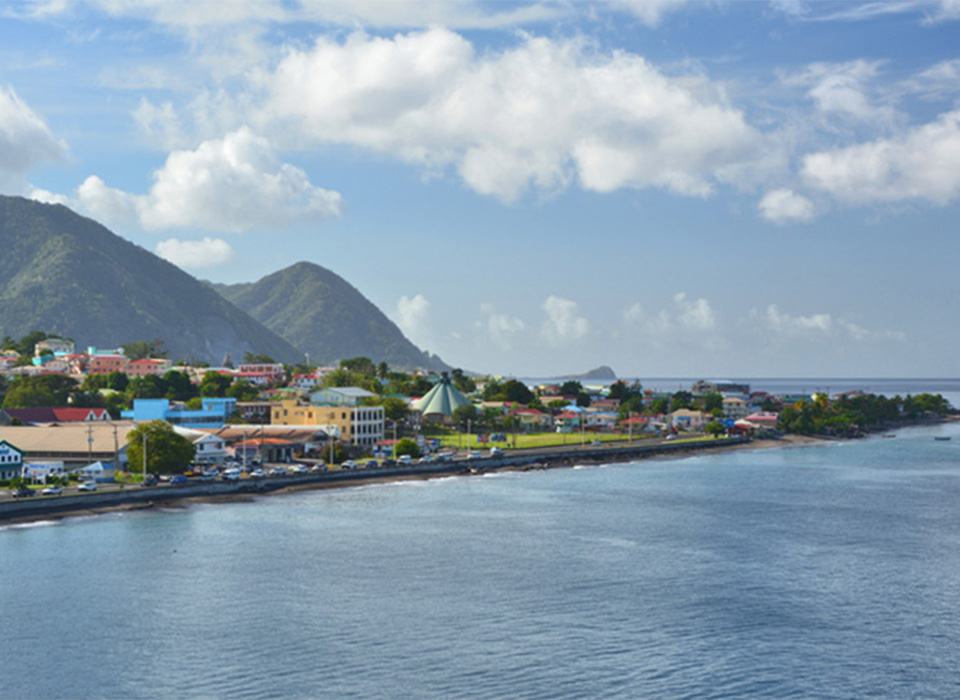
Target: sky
668,187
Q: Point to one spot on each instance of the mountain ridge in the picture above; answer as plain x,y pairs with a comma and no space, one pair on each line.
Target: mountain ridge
321,313
67,274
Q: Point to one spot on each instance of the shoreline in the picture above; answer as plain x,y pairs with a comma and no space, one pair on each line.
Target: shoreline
539,461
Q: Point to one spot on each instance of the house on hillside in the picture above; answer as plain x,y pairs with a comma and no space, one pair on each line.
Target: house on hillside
340,396
213,413
48,414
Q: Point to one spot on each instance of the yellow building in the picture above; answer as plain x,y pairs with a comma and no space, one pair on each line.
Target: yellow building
358,425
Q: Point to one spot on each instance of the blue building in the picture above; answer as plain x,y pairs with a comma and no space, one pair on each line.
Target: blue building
213,414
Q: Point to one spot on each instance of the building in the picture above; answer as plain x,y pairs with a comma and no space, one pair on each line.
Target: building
74,444
273,372
148,367
105,364
48,414
340,396
271,443
735,408
688,419
441,401
718,386
212,414
11,461
210,448
358,425
56,346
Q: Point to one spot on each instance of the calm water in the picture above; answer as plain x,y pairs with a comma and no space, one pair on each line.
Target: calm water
816,572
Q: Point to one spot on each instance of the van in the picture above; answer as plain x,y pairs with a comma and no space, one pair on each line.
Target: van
405,460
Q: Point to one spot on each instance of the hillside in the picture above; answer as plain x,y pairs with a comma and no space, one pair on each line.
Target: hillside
66,274
323,315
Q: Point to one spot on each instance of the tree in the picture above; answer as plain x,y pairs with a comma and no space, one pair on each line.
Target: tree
179,386
681,399
714,428
462,382
623,391
708,402
148,387
583,399
383,371
242,390
462,415
41,390
517,391
144,349
360,365
659,405
214,384
407,446
167,451
117,381
571,387
250,358
395,409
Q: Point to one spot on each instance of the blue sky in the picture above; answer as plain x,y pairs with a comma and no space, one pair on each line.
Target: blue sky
670,187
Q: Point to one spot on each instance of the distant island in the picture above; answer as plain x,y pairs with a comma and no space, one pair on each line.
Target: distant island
601,373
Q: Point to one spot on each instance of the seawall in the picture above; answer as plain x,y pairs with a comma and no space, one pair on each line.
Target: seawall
133,497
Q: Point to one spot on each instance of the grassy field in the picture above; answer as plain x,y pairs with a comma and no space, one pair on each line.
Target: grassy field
525,440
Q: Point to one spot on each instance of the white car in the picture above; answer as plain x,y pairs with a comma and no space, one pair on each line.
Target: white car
87,486
52,491
231,474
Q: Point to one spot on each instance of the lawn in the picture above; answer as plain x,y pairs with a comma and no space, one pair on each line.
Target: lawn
524,440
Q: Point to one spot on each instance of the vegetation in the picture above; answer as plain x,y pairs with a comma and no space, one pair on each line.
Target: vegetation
406,446
852,414
167,452
321,314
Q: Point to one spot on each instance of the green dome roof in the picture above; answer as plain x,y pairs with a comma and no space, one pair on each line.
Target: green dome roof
442,399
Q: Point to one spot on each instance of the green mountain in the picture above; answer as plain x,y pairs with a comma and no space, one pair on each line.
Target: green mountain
323,315
66,274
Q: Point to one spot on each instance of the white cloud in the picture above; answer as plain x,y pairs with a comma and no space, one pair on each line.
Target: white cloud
816,326
842,89
500,328
232,184
921,164
46,196
785,206
25,140
685,319
208,252
694,315
542,114
649,12
413,318
563,324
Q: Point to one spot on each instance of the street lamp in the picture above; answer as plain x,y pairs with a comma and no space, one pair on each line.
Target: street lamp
145,436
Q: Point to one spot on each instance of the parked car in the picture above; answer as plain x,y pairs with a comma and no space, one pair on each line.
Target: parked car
372,464
179,479
231,474
22,492
299,469
349,464
317,468
90,486
388,463
52,491
149,480
278,471
257,474
496,452
474,455
405,460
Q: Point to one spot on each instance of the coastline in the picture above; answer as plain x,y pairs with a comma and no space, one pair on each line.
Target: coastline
538,461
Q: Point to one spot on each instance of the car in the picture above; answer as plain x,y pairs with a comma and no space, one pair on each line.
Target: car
299,469
22,492
149,480
672,436
496,452
52,491
372,463
388,463
405,459
278,471
231,474
317,468
474,455
257,474
349,464
179,479
88,486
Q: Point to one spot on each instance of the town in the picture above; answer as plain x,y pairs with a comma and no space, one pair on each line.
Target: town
129,415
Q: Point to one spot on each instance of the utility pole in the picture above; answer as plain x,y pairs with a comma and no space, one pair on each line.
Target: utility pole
116,450
630,424
90,444
145,436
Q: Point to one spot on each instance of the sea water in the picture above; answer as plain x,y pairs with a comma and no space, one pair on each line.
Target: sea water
829,571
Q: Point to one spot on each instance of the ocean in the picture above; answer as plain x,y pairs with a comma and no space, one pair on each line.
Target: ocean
824,571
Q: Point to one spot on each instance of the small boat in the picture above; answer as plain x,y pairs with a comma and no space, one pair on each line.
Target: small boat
889,435
942,438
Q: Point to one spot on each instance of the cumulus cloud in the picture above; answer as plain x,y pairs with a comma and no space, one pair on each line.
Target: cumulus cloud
843,89
785,206
684,319
208,252
229,185
649,12
413,318
563,324
540,115
498,327
816,326
25,140
921,164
